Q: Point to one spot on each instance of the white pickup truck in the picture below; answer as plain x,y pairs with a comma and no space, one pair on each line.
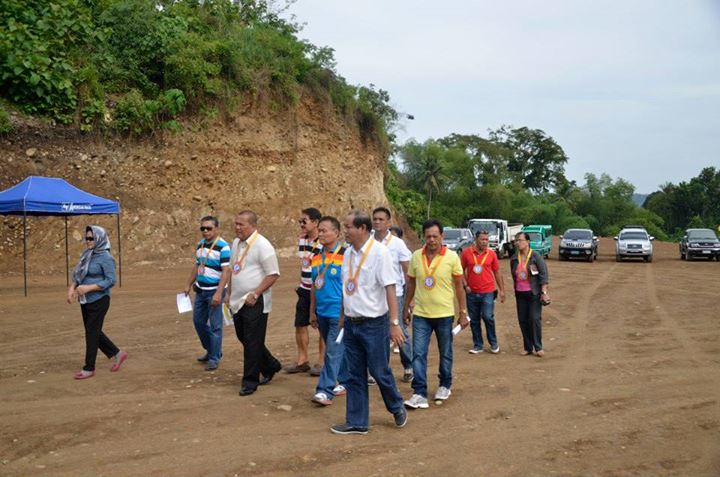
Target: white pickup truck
501,234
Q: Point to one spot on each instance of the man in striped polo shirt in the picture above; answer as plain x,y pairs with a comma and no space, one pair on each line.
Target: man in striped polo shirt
308,245
208,277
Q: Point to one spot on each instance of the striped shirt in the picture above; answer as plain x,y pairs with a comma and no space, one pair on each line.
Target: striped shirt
328,298
211,262
306,249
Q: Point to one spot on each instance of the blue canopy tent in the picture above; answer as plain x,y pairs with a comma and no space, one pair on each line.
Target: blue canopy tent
53,196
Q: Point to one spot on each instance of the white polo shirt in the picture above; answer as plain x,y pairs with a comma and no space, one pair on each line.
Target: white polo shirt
259,262
370,297
400,253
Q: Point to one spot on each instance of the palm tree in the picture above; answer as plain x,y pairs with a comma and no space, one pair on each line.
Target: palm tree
424,163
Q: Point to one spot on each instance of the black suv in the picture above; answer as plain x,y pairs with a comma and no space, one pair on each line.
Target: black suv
578,243
699,243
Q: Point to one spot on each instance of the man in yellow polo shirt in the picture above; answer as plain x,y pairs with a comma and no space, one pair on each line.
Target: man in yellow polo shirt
435,281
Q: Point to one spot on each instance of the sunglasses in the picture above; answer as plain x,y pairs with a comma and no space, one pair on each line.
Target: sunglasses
302,221
90,239
206,229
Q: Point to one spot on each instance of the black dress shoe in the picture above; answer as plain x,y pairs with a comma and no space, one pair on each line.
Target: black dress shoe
266,379
246,391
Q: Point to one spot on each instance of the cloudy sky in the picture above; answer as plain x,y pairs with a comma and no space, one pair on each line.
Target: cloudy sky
631,88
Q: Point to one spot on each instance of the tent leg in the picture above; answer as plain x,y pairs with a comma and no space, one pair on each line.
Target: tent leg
67,265
25,251
119,249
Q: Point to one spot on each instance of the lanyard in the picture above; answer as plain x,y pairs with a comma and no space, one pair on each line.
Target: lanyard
239,264
487,252
352,277
430,272
523,267
323,268
207,255
313,246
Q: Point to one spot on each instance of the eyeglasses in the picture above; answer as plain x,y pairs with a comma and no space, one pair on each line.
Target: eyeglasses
90,239
206,229
302,221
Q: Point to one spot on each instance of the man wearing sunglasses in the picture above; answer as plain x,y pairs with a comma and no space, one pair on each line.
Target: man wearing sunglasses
208,277
308,245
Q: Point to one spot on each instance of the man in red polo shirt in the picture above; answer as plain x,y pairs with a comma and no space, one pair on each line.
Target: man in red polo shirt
481,271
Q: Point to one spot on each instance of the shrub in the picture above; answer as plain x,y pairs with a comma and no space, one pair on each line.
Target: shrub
5,123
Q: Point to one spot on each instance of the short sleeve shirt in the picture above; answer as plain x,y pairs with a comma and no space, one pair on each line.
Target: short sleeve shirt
211,257
400,253
369,298
259,262
438,301
484,282
306,249
328,298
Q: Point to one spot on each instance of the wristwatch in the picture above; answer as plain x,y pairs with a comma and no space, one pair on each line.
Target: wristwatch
395,322
463,311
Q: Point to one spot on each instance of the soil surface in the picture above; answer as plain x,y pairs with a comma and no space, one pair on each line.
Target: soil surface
629,387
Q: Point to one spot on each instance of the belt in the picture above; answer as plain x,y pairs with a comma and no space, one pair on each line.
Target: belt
362,319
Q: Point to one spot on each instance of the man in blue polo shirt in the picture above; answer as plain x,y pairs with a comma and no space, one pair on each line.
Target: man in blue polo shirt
208,277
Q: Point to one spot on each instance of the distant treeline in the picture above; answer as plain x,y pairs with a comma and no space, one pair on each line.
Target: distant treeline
518,174
135,66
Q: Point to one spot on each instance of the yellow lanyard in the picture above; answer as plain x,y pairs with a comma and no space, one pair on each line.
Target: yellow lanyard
352,277
239,263
323,268
207,255
430,272
484,258
523,268
308,255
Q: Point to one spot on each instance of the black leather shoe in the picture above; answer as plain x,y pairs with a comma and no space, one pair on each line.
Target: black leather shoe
246,391
266,379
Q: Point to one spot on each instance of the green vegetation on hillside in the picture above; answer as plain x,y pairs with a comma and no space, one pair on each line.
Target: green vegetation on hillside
135,65
514,173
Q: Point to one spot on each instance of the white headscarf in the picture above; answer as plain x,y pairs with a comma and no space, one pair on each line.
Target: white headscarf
101,245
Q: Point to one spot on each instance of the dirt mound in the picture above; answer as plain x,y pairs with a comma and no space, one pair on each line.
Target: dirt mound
272,162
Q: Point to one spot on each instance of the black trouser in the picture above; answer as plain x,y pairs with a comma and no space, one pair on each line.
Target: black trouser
529,311
93,316
250,327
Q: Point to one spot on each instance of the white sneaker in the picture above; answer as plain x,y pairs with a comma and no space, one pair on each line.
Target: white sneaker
442,393
322,399
475,350
495,350
417,402
339,390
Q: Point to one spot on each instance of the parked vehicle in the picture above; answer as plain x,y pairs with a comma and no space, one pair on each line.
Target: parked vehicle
699,243
457,239
540,238
578,243
634,242
500,234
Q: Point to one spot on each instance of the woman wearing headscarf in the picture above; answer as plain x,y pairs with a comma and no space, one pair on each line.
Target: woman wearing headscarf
92,279
530,277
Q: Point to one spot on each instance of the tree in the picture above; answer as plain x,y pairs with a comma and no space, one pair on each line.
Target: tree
424,164
536,161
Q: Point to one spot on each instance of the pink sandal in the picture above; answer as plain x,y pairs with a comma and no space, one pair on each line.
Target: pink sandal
82,374
119,360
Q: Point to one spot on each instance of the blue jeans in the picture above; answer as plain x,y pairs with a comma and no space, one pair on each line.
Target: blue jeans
208,323
366,349
406,354
334,355
481,307
422,329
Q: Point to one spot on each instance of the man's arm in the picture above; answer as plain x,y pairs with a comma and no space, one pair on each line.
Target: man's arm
500,284
191,279
408,299
396,334
218,295
462,303
266,283
313,316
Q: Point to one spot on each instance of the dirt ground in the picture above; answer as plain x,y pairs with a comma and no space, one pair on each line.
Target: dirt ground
630,385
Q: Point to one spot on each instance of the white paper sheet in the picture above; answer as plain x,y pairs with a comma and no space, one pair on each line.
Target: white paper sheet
227,315
183,303
340,336
457,329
